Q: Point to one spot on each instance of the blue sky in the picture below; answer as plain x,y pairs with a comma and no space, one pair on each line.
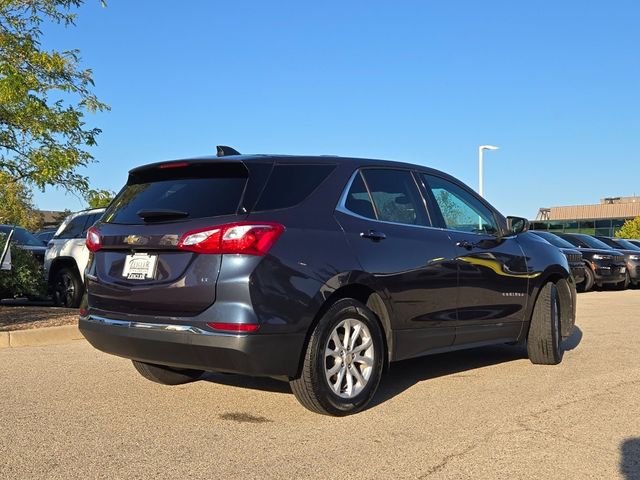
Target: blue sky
556,85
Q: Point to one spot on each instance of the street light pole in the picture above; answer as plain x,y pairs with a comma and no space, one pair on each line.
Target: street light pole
481,150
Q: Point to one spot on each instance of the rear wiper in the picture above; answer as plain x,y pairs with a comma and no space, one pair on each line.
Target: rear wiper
161,213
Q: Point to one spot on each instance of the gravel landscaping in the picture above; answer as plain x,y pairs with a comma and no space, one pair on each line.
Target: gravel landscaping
28,317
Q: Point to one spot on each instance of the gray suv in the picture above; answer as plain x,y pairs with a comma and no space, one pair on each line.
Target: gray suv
315,270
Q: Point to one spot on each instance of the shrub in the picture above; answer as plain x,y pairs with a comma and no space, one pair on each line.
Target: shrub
26,277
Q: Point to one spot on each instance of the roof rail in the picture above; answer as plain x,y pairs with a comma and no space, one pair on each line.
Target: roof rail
224,151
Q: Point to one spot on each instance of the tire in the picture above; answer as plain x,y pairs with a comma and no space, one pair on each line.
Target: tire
543,341
589,279
567,305
358,368
166,375
67,288
623,285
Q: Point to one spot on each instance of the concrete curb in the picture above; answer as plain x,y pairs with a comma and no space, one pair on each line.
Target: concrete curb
40,336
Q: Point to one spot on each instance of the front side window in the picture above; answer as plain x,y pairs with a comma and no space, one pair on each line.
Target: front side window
396,197
460,209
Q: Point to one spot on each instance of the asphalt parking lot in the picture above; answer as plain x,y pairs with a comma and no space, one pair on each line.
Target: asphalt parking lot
68,411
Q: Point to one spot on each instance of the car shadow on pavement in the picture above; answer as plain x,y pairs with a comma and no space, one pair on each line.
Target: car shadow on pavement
574,339
403,375
460,364
630,459
257,383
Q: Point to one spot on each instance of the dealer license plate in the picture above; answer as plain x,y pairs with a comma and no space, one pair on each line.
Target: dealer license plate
623,269
140,266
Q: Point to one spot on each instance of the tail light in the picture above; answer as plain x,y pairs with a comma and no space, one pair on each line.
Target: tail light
242,237
235,327
94,239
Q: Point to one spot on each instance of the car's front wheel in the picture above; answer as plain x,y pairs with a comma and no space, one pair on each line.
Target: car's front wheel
166,375
589,280
623,285
343,362
543,341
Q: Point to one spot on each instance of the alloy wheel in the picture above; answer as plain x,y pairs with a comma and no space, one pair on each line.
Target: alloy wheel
349,358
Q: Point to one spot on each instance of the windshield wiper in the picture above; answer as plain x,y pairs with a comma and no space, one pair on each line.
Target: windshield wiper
158,214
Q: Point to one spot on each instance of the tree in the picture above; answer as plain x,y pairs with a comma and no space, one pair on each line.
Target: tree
630,229
44,96
99,198
16,206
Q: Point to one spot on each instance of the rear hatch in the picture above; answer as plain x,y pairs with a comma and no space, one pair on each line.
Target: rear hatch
139,267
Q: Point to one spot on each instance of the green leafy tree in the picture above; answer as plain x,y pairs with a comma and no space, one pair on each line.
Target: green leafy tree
630,229
16,206
99,198
44,96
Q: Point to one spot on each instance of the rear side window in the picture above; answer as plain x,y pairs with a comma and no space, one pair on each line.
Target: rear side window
289,185
198,190
75,228
396,196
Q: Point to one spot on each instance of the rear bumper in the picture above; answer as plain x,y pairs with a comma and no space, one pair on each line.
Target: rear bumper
186,346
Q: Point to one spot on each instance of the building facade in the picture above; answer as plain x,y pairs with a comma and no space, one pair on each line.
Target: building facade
604,218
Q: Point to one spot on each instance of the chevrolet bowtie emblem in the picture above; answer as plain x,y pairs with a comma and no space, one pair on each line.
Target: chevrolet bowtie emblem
135,240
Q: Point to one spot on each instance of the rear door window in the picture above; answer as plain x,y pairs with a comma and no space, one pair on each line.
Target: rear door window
199,190
396,196
289,185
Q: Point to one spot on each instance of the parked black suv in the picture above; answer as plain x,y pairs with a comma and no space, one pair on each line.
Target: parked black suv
316,270
631,256
607,266
574,257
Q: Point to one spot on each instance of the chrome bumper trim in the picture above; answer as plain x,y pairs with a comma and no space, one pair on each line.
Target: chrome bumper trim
158,327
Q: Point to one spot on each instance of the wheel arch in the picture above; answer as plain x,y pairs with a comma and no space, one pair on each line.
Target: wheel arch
361,289
62,262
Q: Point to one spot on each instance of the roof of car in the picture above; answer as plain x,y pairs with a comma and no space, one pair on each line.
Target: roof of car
270,158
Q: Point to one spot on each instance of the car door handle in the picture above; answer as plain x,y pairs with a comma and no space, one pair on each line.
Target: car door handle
465,244
373,235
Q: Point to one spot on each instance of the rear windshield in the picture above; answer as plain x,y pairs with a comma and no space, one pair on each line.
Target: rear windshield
199,190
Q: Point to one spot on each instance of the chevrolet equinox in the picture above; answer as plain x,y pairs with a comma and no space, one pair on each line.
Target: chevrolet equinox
316,270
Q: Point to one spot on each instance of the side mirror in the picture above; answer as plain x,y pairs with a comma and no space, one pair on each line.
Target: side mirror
516,225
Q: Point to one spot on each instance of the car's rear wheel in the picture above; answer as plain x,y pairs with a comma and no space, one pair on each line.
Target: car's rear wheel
543,341
67,288
589,280
343,362
166,375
